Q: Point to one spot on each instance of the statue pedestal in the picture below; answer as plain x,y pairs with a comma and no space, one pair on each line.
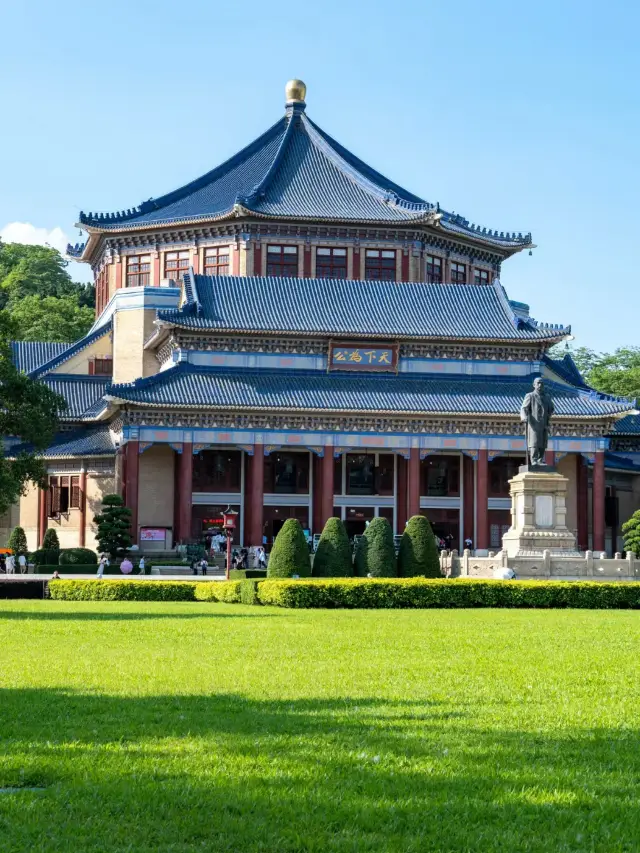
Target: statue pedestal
538,515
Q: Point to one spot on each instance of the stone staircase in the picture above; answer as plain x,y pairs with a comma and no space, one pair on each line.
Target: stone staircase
216,569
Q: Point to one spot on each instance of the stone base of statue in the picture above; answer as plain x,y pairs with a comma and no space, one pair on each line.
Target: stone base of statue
538,514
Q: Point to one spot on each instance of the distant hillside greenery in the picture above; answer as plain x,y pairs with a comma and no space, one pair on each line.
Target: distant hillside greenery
612,373
38,298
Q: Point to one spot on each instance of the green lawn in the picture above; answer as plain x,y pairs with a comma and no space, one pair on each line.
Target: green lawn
179,727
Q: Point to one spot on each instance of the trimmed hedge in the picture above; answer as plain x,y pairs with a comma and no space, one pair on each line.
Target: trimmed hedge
241,574
375,551
333,555
290,553
249,592
446,593
226,591
101,590
45,558
50,541
78,557
418,555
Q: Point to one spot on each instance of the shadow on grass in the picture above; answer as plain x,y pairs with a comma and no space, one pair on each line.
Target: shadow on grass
224,772
74,616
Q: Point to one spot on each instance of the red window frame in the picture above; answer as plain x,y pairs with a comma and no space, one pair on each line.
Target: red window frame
103,366
480,277
216,260
176,264
282,260
458,273
380,264
331,262
435,266
138,270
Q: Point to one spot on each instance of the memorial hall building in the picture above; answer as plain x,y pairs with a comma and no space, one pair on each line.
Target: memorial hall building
295,335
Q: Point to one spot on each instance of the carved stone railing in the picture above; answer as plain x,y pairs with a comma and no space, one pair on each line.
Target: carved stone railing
545,566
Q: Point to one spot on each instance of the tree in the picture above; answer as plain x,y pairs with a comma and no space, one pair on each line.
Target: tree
418,554
333,555
50,542
114,526
290,553
375,552
18,541
29,416
615,373
51,319
631,531
37,271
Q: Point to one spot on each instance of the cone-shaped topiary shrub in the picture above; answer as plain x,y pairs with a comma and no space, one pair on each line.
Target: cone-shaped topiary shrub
51,541
375,554
18,542
114,526
631,531
418,554
290,553
333,556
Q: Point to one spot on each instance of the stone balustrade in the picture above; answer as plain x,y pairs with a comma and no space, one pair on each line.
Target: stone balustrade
546,566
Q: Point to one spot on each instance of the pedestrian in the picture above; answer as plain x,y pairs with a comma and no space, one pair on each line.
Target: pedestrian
126,566
468,544
204,565
104,562
261,557
11,564
141,566
22,562
3,562
56,576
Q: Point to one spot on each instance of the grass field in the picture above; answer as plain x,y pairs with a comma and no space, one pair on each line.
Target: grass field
179,727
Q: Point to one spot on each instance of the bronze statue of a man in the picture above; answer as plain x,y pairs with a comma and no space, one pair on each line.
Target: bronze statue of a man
537,409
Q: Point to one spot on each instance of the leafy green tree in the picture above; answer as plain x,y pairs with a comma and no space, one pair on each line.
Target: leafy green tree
418,554
615,373
375,553
50,541
114,526
29,417
631,532
290,553
37,271
18,541
51,318
333,555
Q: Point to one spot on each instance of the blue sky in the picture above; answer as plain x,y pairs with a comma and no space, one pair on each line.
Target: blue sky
521,117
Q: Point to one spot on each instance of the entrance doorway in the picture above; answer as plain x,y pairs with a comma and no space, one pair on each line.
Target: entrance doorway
355,519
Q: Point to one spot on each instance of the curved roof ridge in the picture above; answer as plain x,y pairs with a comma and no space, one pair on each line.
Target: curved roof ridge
260,188
71,350
186,189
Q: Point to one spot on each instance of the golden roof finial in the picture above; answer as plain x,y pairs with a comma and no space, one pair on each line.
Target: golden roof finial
295,90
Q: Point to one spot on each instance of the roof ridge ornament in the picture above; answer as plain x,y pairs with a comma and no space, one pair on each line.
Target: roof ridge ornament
295,93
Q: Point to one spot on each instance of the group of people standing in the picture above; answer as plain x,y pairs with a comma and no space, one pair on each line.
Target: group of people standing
8,563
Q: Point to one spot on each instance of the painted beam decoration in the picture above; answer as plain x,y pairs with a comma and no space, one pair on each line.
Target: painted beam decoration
357,356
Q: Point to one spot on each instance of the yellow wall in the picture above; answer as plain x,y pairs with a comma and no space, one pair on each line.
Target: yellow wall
567,467
79,363
130,360
156,487
29,516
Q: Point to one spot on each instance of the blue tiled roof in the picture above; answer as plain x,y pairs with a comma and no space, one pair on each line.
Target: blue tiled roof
297,171
29,355
366,309
93,441
629,425
71,350
186,385
84,394
615,460
566,369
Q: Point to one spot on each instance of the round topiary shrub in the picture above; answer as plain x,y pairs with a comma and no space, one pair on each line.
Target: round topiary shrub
418,554
333,555
375,554
290,553
17,541
51,541
631,531
78,556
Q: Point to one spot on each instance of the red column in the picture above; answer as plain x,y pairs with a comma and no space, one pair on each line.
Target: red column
483,500
327,484
356,264
235,259
582,488
196,261
185,491
131,485
155,280
83,508
413,488
247,497
550,457
401,499
256,496
404,266
598,501
257,258
42,513
317,494
307,262
468,485
118,266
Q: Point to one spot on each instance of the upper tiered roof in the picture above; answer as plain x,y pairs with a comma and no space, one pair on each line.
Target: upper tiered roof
294,171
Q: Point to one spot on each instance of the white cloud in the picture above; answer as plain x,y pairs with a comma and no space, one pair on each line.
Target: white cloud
25,232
